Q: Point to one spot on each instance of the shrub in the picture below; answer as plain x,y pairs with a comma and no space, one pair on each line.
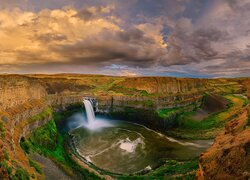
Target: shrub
36,166
2,130
25,145
45,136
22,174
149,103
6,155
5,166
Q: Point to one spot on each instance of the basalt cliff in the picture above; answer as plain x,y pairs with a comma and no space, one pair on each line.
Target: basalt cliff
229,156
27,102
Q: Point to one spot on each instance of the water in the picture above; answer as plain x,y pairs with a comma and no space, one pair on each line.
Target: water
89,111
123,147
90,122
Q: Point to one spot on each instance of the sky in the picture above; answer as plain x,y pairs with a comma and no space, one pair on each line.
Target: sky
182,38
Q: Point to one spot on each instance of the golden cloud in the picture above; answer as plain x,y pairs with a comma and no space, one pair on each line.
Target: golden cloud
87,36
25,33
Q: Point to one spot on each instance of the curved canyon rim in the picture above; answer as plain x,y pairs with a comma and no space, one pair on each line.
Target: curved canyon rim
124,147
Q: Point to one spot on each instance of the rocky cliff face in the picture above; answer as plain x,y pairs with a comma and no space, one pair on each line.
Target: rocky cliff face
25,102
18,121
229,156
143,92
164,85
115,102
214,103
15,90
246,83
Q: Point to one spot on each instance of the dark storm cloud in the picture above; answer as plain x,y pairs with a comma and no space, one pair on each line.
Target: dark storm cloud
91,13
211,36
235,63
188,45
215,36
241,55
131,47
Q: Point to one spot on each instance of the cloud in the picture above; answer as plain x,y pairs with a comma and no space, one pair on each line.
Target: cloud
183,36
27,37
215,35
132,47
237,63
93,12
64,36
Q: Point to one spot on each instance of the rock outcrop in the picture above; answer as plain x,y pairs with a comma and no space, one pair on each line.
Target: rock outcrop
229,156
118,102
27,102
16,89
164,84
214,103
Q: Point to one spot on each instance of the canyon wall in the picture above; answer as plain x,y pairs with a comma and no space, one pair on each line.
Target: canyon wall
28,101
118,102
164,85
170,92
15,90
229,156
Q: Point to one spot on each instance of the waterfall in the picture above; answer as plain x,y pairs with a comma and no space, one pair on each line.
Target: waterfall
89,111
92,122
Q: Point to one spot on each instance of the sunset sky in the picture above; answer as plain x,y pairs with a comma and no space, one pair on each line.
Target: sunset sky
188,38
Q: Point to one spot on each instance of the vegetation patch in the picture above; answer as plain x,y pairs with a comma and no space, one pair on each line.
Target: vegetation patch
42,115
2,130
164,113
45,137
129,91
209,127
4,165
215,119
36,166
21,174
170,170
48,142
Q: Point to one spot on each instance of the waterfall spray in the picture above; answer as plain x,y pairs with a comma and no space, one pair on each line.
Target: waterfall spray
92,123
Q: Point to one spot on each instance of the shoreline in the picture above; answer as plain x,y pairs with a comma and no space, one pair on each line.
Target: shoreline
90,166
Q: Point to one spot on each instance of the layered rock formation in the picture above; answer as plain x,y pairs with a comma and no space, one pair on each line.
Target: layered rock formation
163,85
15,90
27,102
214,103
117,102
229,156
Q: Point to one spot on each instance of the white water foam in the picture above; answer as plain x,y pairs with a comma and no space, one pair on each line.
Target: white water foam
93,125
92,122
130,146
148,168
171,139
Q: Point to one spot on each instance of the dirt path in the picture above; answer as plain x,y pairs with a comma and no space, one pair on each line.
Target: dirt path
50,169
106,177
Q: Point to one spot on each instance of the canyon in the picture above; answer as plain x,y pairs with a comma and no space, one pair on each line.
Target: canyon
29,101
